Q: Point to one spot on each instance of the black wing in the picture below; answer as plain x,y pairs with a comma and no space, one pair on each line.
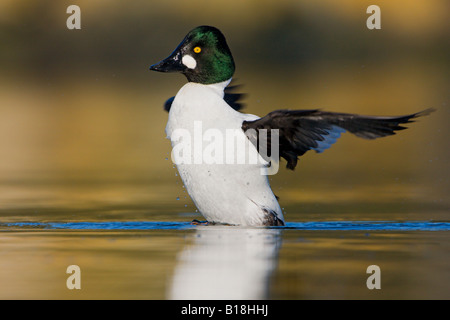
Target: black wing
168,104
303,130
233,99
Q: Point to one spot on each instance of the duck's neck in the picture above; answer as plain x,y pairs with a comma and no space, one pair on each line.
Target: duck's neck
219,86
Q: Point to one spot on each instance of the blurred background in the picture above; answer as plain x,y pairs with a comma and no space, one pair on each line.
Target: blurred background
82,120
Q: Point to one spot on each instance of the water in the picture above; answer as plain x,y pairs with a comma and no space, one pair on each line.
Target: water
177,260
163,225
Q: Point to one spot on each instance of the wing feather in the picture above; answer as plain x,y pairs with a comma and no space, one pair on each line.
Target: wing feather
303,130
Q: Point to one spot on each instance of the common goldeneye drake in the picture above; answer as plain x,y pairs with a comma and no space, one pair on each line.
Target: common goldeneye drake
236,191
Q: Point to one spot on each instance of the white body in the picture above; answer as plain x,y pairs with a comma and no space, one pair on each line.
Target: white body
223,193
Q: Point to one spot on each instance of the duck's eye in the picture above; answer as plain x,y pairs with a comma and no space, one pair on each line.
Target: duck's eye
197,49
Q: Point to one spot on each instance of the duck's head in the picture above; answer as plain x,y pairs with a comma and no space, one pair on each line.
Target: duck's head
203,57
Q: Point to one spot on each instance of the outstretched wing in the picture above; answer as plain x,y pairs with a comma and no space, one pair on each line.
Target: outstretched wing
233,99
303,130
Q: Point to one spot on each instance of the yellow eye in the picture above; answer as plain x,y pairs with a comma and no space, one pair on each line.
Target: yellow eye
197,49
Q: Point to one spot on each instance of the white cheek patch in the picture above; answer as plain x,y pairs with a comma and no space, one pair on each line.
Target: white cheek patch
189,62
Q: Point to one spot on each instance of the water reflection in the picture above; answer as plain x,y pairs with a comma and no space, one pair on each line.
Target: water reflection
226,263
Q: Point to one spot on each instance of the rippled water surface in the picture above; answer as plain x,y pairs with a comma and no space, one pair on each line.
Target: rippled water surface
311,225
178,260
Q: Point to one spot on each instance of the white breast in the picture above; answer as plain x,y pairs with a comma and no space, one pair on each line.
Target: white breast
229,191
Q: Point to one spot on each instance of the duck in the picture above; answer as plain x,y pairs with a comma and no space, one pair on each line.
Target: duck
231,186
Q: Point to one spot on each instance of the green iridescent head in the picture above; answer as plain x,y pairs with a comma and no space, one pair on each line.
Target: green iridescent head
203,57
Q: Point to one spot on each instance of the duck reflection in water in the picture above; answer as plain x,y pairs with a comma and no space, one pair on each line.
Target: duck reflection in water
224,262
